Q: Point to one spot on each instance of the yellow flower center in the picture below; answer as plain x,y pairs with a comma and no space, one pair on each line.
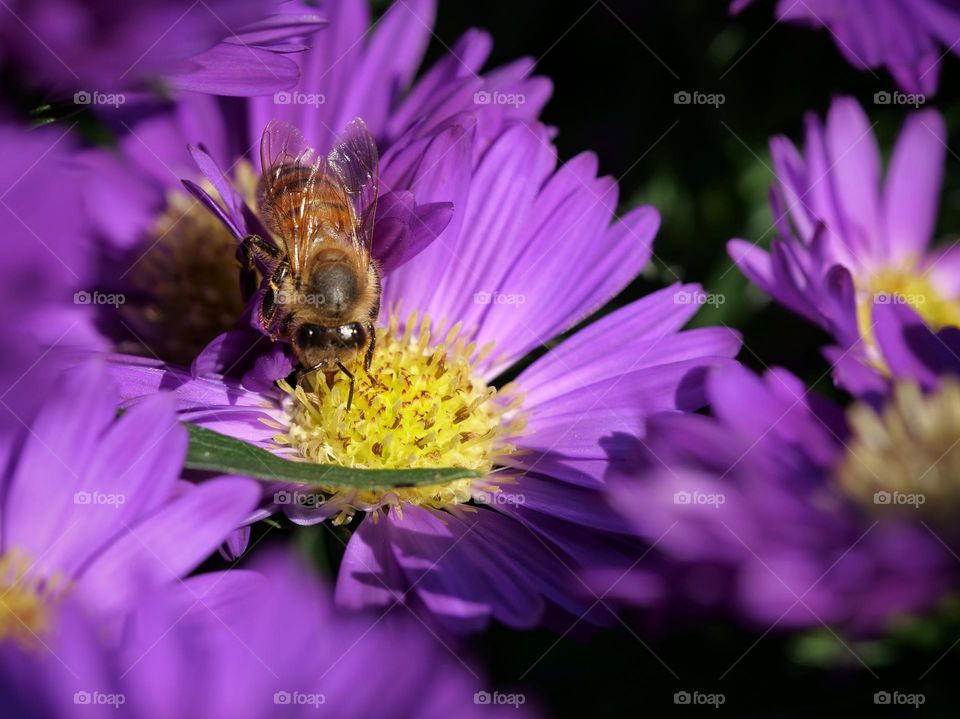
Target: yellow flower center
189,276
25,601
907,285
908,455
421,405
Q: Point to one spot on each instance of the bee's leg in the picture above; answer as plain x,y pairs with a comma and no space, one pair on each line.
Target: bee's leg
372,322
284,328
248,273
352,379
304,371
372,334
252,248
271,294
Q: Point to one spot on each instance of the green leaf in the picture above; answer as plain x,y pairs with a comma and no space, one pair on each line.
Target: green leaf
215,452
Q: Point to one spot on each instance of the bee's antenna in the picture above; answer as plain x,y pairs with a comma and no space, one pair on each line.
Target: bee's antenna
349,374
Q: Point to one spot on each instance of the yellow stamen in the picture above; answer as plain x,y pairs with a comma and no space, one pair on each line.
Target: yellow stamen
421,405
25,600
907,285
907,456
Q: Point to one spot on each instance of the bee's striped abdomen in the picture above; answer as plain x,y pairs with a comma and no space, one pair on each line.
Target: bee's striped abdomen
299,202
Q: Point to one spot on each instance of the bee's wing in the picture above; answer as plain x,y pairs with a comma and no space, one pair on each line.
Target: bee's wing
290,175
355,163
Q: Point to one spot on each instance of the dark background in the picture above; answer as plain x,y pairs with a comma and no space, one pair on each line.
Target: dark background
707,171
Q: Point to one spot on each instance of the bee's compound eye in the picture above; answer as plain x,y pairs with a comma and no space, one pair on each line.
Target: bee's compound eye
312,336
351,335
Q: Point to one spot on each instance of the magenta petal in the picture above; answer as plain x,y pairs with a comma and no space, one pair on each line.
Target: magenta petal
208,166
236,544
214,207
912,190
446,580
169,544
909,348
856,157
276,29
641,335
269,367
239,70
225,352
53,461
137,378
369,576
134,471
403,229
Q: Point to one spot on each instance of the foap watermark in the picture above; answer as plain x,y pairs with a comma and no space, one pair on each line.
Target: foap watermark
900,499
92,97
99,699
899,298
714,99
113,299
710,499
313,299
301,699
486,97
700,699
499,298
898,698
99,499
484,497
312,99
698,297
298,498
500,699
912,99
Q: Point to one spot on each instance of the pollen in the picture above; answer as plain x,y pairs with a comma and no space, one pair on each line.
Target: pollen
908,285
25,600
423,404
185,281
907,456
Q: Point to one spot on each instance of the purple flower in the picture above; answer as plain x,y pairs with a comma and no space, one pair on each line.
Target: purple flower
42,265
780,511
93,509
906,38
848,240
280,649
534,249
238,47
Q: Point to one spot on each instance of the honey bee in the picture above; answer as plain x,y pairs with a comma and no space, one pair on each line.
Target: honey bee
322,289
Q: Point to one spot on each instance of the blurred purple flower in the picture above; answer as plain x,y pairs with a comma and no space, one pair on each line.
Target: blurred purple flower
93,509
534,251
278,650
848,240
905,37
236,47
44,259
776,511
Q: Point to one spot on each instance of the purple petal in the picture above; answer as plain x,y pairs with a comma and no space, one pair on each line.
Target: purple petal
169,544
912,190
237,70
856,172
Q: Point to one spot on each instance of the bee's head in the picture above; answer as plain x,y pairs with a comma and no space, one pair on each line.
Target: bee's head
322,347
